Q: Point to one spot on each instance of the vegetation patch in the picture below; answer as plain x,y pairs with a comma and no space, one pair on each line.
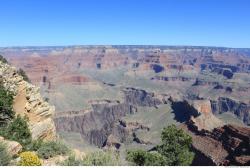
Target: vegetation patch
99,158
3,60
5,157
50,149
71,161
6,108
141,157
18,130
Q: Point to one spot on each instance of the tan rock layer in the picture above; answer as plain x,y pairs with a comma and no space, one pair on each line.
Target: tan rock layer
28,101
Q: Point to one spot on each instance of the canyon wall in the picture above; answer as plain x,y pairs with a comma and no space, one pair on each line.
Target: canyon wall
28,101
104,118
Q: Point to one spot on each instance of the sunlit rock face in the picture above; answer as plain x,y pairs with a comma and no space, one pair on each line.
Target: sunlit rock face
28,101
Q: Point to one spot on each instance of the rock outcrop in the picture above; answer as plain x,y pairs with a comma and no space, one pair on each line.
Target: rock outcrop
213,142
141,97
28,101
13,147
226,145
205,119
239,109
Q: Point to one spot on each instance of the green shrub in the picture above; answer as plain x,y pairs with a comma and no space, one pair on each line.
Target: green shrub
51,149
29,159
23,74
3,60
143,158
5,158
6,109
138,157
18,130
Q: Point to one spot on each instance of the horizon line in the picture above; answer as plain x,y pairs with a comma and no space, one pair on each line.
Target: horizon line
110,45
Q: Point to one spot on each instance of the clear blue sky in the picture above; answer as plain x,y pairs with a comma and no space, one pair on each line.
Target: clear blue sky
159,22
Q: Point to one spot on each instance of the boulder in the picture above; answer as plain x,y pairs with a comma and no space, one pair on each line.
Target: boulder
13,147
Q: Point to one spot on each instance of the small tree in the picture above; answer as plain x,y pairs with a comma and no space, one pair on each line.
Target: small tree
23,74
18,130
3,60
175,146
6,109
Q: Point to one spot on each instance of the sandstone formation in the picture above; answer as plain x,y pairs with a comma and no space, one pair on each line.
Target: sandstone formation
205,119
28,101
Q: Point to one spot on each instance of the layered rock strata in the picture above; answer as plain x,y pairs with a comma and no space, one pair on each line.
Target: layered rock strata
28,101
215,143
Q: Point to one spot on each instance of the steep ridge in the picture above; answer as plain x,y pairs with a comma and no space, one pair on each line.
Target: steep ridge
28,101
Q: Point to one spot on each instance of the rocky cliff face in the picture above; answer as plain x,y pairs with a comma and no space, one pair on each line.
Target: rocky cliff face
215,143
141,97
95,125
28,101
205,120
226,145
103,120
239,109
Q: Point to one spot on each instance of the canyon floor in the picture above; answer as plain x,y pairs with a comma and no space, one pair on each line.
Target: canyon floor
121,97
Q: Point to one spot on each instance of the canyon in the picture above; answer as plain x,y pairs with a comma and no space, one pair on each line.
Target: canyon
121,97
